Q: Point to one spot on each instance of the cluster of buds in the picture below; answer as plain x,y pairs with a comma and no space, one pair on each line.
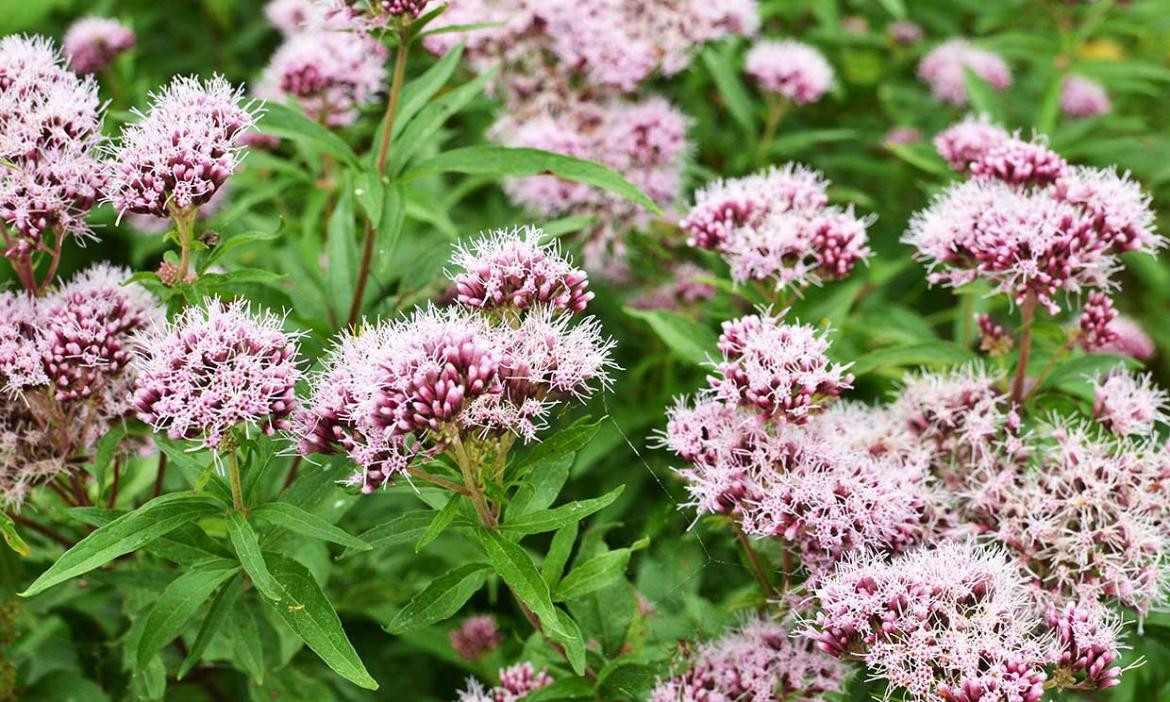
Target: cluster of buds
790,69
476,636
515,682
92,43
495,365
993,338
776,226
944,66
1035,227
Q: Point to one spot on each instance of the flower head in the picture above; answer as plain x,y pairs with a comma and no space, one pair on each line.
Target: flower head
943,70
515,682
476,636
514,269
1020,162
331,74
761,660
1081,97
214,368
954,622
779,368
1116,206
904,32
92,43
293,16
1128,403
180,153
20,347
1126,337
791,69
968,140
1087,645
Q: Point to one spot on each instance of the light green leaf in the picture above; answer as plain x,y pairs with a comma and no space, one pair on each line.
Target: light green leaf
501,160
125,534
403,529
932,353
593,574
432,117
515,566
212,625
299,521
11,537
441,599
178,603
570,637
720,62
688,339
341,249
558,553
441,521
282,121
248,550
307,612
982,95
419,91
553,519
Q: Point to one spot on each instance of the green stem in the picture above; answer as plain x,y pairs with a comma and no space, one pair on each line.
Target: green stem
185,227
234,476
1027,316
771,123
757,567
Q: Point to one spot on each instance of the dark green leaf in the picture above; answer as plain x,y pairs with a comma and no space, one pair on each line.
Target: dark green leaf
282,121
553,519
934,353
441,599
248,549
417,92
178,603
689,340
441,521
593,574
299,521
403,529
558,553
515,566
212,624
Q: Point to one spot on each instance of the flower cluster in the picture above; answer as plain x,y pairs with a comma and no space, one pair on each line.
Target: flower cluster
1082,97
760,661
494,365
1086,643
214,368
790,69
1035,227
92,43
944,67
179,154
475,636
968,140
329,69
954,622
645,141
776,226
65,373
684,288
1126,403
515,682
50,126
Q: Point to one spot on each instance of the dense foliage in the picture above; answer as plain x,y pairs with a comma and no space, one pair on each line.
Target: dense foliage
677,350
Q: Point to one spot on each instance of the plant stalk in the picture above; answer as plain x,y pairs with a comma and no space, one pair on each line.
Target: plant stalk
1027,316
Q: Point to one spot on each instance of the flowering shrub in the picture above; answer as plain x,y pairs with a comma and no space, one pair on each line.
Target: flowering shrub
553,350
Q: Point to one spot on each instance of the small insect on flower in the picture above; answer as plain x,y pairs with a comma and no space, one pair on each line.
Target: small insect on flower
182,151
214,368
92,43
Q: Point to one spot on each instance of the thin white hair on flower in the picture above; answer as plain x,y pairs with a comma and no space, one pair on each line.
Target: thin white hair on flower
1128,403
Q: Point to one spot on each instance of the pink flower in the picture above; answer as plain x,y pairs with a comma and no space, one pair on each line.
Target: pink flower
331,74
762,660
1129,404
965,142
92,43
476,636
1116,206
1081,97
1128,339
1020,162
993,339
515,682
781,369
791,69
293,16
179,154
214,368
20,346
1096,322
901,136
943,69
953,622
50,125
1086,642
515,269
904,32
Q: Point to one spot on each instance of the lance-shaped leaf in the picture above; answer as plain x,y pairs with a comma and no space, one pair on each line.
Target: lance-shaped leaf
299,521
442,598
178,603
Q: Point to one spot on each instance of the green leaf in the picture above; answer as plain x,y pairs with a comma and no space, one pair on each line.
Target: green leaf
307,612
798,141
688,339
178,603
1075,375
243,636
593,574
564,690
104,455
441,521
194,472
553,519
212,624
932,353
545,468
982,95
248,549
299,521
11,537
922,157
515,566
720,63
896,8
341,249
558,553
626,679
423,129
441,599
403,529
501,160
282,121
125,534
570,637
417,92
1050,104
227,246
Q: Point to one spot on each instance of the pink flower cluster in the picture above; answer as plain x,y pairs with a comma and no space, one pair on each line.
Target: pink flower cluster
1032,225
954,623
791,69
645,141
411,387
944,66
1126,338
214,368
50,126
776,226
179,154
1127,403
64,371
760,661
684,289
1086,645
605,43
92,43
476,636
1082,97
330,70
515,682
